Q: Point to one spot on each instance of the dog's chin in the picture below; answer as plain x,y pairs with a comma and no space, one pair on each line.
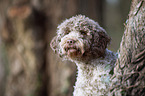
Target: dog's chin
74,53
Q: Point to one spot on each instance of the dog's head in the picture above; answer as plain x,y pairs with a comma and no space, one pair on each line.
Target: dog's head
80,38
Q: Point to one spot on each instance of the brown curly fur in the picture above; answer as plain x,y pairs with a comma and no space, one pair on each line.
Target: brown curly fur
93,37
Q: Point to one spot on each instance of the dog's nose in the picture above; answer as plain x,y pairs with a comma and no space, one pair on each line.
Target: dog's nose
70,41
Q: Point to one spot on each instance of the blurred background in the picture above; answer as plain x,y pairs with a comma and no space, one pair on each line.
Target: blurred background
28,67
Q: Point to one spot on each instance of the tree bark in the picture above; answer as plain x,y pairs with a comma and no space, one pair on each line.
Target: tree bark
130,65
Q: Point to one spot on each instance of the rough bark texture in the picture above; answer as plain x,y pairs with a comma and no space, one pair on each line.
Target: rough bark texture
130,65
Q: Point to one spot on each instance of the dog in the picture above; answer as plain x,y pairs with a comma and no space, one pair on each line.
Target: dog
82,40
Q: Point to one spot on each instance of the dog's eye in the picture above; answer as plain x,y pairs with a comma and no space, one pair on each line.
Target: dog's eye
83,32
67,30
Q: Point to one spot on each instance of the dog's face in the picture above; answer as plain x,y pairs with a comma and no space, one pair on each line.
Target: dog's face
80,38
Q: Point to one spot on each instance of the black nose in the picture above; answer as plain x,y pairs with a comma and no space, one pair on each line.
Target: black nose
70,41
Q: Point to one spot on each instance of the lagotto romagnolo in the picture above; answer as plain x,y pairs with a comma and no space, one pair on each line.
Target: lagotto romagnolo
84,42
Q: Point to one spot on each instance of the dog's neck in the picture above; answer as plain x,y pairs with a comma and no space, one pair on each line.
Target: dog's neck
90,74
104,63
93,61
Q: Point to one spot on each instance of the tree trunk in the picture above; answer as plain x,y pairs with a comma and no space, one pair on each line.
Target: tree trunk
130,65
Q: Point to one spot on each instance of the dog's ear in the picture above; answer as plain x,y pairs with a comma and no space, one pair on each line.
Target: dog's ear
54,44
101,40
104,39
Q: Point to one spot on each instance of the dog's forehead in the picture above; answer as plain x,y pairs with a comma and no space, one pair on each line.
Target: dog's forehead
76,22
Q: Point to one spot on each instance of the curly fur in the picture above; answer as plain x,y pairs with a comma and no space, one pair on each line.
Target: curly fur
84,42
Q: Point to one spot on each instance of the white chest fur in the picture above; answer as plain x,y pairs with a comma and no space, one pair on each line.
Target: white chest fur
94,79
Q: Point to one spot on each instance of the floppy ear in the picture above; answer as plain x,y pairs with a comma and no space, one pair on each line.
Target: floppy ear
104,39
101,40
54,44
